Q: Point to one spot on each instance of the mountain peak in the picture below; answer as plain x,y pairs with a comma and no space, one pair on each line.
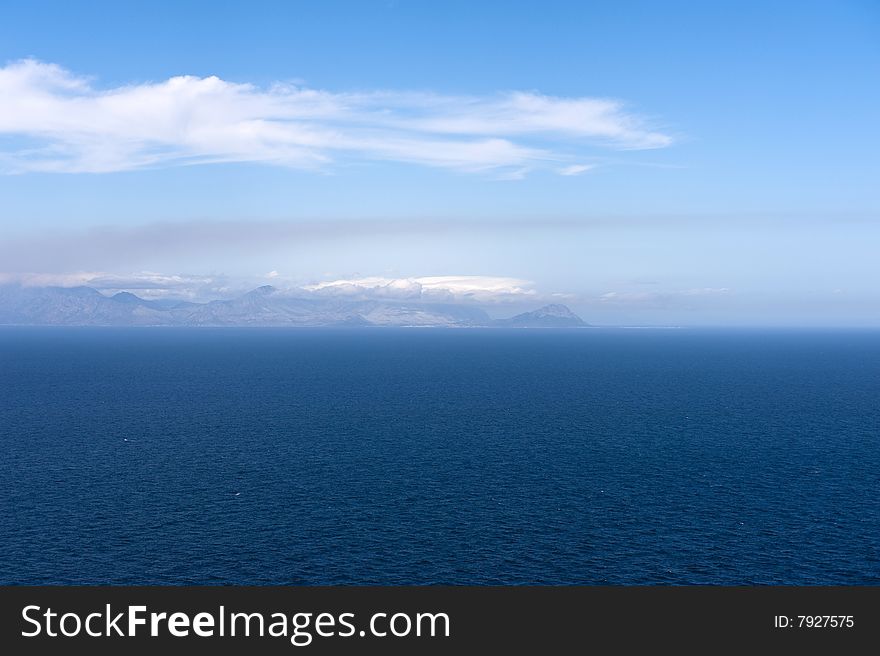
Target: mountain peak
554,315
554,310
126,297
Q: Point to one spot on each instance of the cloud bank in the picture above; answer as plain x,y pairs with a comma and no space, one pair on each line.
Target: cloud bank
56,121
484,289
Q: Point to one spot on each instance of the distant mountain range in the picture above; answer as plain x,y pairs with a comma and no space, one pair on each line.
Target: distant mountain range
264,306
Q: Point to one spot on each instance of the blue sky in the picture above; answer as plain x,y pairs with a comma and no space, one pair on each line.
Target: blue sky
656,163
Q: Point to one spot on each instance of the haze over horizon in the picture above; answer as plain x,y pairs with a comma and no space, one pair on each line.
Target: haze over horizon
642,164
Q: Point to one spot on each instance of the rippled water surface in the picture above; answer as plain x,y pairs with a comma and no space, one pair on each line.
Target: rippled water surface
439,456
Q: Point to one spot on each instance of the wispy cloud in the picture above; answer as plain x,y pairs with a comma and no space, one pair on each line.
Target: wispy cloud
59,121
575,169
661,298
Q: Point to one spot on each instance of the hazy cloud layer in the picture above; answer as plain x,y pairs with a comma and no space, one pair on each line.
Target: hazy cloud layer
55,120
123,247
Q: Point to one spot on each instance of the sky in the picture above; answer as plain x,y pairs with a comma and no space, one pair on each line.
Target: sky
645,163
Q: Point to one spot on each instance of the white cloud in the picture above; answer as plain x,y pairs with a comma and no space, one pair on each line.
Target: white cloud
61,122
476,288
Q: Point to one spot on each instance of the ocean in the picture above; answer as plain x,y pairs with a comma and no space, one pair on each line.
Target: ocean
431,456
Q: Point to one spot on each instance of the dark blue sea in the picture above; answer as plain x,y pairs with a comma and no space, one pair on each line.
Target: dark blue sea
593,456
